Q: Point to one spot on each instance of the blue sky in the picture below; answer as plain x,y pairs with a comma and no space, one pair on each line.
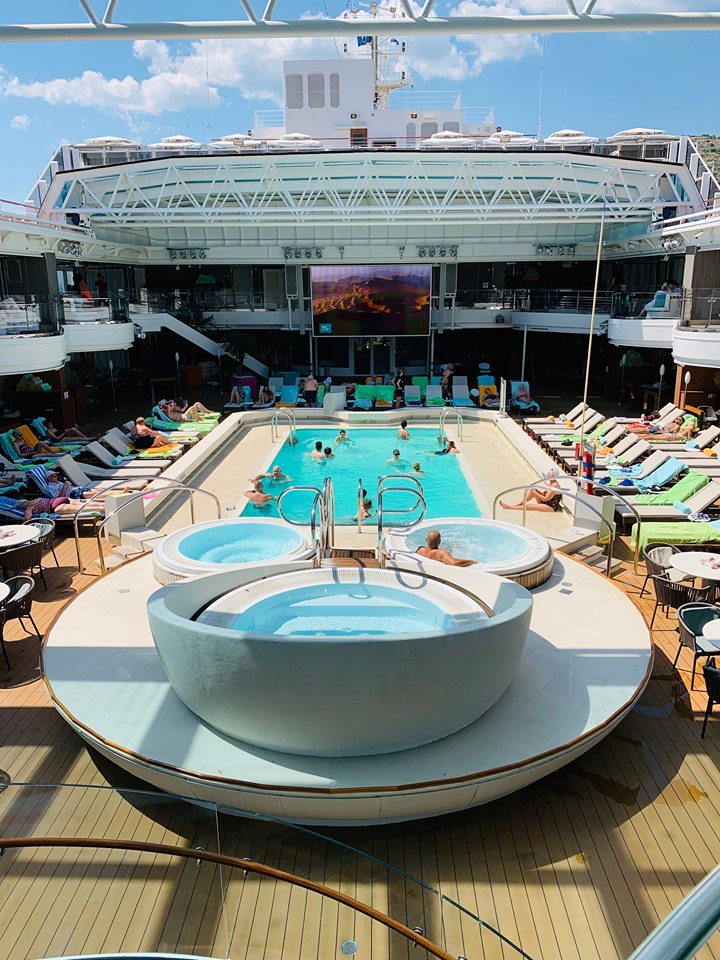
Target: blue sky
65,92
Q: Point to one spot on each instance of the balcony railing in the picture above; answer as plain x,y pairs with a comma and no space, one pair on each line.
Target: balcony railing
45,315
704,309
527,300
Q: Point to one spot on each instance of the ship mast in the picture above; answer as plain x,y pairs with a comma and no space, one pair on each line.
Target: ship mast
387,53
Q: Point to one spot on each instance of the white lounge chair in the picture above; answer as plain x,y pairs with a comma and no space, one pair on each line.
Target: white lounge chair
698,503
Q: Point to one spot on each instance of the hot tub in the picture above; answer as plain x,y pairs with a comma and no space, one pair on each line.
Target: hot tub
339,662
216,545
505,549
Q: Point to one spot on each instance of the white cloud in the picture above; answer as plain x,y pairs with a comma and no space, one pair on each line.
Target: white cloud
21,121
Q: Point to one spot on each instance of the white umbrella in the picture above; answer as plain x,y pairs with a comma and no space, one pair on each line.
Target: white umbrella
232,138
512,137
570,137
448,138
109,142
638,133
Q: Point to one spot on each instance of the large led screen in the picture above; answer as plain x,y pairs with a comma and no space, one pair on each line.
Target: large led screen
362,301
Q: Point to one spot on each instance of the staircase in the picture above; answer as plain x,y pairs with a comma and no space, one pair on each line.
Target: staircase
351,558
155,322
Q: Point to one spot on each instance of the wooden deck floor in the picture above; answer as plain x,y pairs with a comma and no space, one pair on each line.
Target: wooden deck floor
583,864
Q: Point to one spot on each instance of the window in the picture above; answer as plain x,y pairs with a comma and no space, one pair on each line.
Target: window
410,134
316,90
294,91
452,125
428,128
334,89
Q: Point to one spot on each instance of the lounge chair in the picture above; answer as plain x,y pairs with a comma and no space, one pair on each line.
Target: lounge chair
433,396
276,384
385,394
132,468
122,445
565,450
641,476
10,511
631,454
543,428
38,428
421,382
678,531
288,396
515,387
83,476
460,392
6,449
698,502
245,402
571,415
488,397
365,395
412,396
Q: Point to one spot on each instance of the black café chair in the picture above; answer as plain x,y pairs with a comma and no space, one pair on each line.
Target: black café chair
692,617
671,595
47,535
27,557
657,558
16,606
712,683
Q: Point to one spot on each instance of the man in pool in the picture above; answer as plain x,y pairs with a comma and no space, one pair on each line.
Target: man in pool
364,506
433,551
403,432
342,437
317,453
396,459
257,496
277,475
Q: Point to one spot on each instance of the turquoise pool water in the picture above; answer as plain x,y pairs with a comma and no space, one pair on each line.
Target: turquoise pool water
485,545
445,488
240,543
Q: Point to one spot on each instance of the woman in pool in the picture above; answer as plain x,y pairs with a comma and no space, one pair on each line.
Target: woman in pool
417,469
547,499
450,448
403,432
328,454
342,437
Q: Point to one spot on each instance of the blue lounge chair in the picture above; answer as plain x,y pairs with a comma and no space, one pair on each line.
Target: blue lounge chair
288,396
517,386
461,394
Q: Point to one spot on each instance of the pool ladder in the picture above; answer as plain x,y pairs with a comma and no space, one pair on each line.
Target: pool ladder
397,483
275,425
322,516
444,414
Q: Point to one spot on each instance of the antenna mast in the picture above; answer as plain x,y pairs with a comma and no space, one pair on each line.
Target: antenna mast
387,53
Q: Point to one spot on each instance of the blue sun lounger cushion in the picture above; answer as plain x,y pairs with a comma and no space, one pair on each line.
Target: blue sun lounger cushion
664,474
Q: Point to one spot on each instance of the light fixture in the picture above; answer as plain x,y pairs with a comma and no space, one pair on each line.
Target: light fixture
353,116
688,378
662,374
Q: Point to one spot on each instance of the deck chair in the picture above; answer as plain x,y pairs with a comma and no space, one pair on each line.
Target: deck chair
288,396
161,421
706,438
122,445
412,396
699,502
489,398
116,442
570,415
38,427
515,386
276,384
639,470
6,449
563,432
421,382
83,475
109,462
385,395
435,381
461,394
433,396
365,395
245,402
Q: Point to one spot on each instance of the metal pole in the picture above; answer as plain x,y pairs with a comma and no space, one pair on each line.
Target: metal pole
522,365
111,365
592,328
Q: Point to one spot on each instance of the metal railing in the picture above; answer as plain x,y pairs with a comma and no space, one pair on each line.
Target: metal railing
386,484
275,424
170,486
328,494
444,414
539,484
319,517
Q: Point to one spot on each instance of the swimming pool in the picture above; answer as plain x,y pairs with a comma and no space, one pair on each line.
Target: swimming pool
445,487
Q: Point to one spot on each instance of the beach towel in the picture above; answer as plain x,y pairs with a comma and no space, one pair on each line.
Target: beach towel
676,532
679,492
662,476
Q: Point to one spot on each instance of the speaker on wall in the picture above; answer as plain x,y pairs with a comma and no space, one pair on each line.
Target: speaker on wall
291,284
451,280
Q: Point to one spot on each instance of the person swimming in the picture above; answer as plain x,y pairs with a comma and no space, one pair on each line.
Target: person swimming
342,437
403,432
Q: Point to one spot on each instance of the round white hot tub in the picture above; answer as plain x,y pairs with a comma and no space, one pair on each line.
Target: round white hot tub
339,662
218,545
505,549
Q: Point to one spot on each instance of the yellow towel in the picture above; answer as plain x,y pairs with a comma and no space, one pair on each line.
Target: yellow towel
569,423
604,451
709,452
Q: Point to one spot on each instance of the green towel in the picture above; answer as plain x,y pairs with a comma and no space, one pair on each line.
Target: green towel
366,391
676,531
681,491
421,382
386,394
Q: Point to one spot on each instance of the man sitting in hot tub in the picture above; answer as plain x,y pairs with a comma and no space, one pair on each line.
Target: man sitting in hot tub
257,496
433,551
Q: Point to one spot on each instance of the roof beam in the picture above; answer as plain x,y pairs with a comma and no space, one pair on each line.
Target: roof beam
328,27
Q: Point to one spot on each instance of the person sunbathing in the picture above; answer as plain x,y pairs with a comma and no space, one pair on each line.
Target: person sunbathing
144,438
265,397
547,499
59,436
180,410
61,505
522,395
64,488
23,449
433,551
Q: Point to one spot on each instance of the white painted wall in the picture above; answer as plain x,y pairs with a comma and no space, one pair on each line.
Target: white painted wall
32,353
96,337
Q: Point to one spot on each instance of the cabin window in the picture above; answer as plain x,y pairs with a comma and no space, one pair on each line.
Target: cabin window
428,128
334,89
410,134
294,91
452,125
316,90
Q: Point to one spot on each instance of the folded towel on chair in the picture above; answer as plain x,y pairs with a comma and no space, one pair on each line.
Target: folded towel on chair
682,507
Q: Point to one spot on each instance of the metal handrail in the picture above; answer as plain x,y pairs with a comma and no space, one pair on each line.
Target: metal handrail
177,487
318,533
565,493
444,414
688,926
275,420
420,501
633,510
328,494
359,499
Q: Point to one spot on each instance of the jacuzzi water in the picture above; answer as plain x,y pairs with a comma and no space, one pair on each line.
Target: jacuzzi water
486,544
337,609
443,481
239,543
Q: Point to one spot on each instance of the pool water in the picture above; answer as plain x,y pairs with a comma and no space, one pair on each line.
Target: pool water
332,610
240,543
486,545
444,485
